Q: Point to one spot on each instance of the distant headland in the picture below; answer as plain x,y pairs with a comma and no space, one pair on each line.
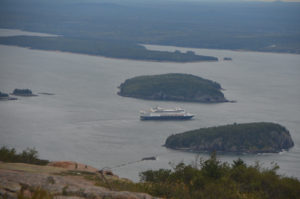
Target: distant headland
258,137
103,48
173,87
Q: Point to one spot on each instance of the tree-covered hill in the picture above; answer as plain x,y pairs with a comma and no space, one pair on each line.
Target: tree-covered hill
259,137
112,49
258,26
173,87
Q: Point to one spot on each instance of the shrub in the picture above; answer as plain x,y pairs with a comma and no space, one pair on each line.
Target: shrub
30,156
214,179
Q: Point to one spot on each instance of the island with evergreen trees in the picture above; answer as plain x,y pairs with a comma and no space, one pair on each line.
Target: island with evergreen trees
173,87
5,97
227,59
260,137
23,92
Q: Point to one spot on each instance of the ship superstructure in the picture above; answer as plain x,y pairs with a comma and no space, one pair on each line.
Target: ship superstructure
159,113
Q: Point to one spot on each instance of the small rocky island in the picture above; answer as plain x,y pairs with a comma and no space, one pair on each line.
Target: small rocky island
23,92
227,59
173,87
5,96
254,138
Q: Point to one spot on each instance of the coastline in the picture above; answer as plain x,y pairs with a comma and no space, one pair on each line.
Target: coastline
181,101
185,48
107,57
156,49
189,150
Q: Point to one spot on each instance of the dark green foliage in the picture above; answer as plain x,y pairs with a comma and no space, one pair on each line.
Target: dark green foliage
214,179
211,179
249,138
22,92
156,176
29,156
114,49
238,163
173,86
212,167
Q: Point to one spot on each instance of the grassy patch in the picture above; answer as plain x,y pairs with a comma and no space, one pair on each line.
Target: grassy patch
76,173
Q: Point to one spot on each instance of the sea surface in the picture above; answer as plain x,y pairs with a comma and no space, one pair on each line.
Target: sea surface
86,121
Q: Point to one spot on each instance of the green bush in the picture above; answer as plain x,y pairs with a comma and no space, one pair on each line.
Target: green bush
213,179
30,156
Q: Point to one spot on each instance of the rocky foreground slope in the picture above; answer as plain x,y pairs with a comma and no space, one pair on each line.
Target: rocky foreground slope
71,182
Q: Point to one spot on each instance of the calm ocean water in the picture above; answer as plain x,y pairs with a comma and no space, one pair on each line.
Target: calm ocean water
86,121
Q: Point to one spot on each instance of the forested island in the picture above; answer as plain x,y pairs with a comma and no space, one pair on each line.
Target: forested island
227,59
173,87
258,137
23,92
5,97
112,49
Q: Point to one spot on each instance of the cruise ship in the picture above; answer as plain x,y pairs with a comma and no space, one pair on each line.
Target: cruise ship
159,113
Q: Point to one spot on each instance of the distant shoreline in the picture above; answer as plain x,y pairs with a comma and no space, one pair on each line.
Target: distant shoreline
219,49
153,61
75,53
130,51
